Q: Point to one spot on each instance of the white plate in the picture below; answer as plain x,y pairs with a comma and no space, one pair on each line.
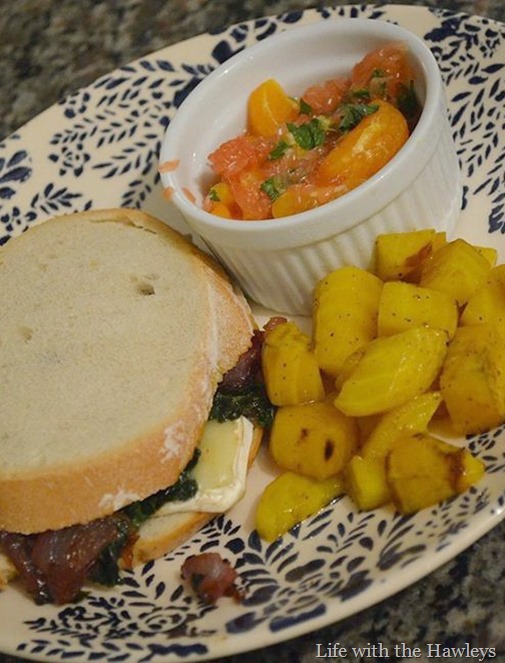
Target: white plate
99,148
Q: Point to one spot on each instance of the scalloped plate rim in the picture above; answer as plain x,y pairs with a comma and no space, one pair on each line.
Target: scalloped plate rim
384,588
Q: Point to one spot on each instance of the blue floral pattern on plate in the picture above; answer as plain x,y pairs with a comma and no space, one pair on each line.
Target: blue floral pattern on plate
99,148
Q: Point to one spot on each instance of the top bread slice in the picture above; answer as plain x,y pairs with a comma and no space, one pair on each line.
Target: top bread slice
115,332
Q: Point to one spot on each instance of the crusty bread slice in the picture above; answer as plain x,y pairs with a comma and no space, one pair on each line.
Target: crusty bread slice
114,334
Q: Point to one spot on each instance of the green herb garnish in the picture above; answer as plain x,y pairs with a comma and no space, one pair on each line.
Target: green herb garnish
308,135
271,187
354,113
362,94
213,195
278,151
305,108
408,103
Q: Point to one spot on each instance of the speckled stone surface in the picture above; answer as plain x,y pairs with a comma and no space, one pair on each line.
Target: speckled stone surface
49,48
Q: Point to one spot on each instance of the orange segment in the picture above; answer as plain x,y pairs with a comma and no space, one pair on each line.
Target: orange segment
268,108
222,193
222,210
221,202
298,198
367,148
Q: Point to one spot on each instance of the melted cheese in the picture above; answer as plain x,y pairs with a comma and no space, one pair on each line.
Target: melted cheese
221,470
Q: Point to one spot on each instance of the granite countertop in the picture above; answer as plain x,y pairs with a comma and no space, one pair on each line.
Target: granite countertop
48,49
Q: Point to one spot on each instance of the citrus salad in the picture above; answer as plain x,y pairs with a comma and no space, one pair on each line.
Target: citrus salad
299,153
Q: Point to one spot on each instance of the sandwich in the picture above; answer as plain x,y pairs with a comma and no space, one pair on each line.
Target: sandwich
131,407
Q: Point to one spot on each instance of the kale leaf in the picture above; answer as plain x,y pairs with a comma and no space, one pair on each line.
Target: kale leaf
251,402
183,489
106,569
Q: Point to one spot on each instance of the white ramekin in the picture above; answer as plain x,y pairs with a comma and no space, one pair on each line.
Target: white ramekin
277,262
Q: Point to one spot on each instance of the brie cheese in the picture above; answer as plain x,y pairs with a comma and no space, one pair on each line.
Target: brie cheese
221,470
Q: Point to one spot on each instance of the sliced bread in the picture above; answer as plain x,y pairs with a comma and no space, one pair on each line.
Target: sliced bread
114,333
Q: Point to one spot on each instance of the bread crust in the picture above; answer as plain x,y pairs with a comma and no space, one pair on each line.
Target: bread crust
67,494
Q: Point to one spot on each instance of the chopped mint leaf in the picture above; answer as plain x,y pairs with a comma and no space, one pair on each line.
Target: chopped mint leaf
407,101
308,135
354,113
271,188
363,94
278,151
305,108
